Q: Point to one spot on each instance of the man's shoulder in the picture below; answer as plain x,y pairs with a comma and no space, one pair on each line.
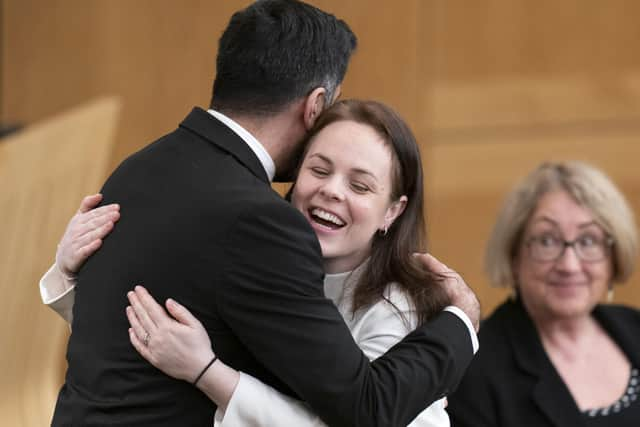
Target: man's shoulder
263,210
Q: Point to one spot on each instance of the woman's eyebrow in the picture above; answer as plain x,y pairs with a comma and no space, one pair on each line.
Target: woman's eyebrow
322,157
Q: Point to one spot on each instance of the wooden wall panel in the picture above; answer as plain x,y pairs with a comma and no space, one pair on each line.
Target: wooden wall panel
513,62
159,56
385,66
44,172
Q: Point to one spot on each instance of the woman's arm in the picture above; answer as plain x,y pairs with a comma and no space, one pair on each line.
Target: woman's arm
58,292
181,347
178,346
81,239
381,327
256,404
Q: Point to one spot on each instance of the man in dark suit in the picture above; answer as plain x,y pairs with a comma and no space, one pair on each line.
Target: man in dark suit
201,224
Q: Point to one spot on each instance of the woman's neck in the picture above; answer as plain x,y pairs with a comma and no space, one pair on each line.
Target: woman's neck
341,265
567,336
336,268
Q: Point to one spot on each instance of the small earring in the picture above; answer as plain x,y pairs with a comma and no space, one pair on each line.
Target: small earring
384,231
610,294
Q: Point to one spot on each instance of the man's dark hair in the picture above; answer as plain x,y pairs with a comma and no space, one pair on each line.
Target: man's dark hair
277,51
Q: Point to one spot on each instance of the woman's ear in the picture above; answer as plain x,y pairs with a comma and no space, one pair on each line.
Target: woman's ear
394,211
313,106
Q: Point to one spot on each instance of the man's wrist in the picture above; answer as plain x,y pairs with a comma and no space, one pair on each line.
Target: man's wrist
467,321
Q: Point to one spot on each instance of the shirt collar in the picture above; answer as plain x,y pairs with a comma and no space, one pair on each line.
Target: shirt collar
259,150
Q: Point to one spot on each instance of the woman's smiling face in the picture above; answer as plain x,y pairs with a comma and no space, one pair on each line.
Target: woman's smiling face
344,190
567,286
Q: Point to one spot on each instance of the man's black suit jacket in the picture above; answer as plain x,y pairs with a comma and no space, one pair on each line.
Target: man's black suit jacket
200,223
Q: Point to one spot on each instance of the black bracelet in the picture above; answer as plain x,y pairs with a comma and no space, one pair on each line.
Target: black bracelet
205,370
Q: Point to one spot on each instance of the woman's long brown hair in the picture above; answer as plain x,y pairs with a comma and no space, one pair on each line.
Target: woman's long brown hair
391,259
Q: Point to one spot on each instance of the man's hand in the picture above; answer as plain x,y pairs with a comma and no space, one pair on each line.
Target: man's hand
461,295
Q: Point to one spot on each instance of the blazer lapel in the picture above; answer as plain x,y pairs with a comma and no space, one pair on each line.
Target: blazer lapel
615,321
553,404
531,358
208,127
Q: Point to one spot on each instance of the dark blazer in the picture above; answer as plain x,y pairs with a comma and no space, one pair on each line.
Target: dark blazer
200,223
511,382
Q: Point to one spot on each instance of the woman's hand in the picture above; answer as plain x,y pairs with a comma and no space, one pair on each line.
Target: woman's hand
84,233
178,346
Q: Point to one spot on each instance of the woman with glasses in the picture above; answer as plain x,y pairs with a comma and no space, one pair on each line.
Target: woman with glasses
553,354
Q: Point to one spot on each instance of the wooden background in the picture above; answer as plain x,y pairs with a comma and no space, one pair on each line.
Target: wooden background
42,171
490,87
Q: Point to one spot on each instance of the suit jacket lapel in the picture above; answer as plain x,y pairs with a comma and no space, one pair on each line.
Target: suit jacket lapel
531,358
216,132
613,320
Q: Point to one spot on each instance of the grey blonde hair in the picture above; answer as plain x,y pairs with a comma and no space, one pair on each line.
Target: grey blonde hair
590,188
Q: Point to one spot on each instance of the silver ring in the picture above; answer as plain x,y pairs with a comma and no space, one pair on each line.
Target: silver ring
145,340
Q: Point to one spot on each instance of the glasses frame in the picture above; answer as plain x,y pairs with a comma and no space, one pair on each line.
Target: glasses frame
608,243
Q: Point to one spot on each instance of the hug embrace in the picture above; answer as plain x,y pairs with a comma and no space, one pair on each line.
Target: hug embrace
315,309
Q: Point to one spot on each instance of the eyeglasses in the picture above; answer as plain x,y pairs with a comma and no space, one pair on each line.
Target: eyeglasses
551,247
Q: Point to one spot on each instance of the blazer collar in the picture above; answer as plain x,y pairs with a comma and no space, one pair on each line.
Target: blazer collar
531,358
219,134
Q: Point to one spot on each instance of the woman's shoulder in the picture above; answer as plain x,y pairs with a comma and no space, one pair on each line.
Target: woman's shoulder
398,297
394,306
620,310
620,318
505,320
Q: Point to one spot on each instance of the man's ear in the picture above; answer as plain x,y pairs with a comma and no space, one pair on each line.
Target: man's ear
313,106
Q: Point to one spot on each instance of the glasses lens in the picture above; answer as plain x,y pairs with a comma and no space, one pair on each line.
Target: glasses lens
545,248
590,249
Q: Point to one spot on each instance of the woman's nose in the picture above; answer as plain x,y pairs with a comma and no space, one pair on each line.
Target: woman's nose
569,260
332,189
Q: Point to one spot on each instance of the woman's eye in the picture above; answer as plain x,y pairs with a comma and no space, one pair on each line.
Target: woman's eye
548,240
588,240
319,171
359,188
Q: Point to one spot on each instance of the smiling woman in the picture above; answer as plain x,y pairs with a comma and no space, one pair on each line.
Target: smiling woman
362,172
344,190
557,274
554,354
